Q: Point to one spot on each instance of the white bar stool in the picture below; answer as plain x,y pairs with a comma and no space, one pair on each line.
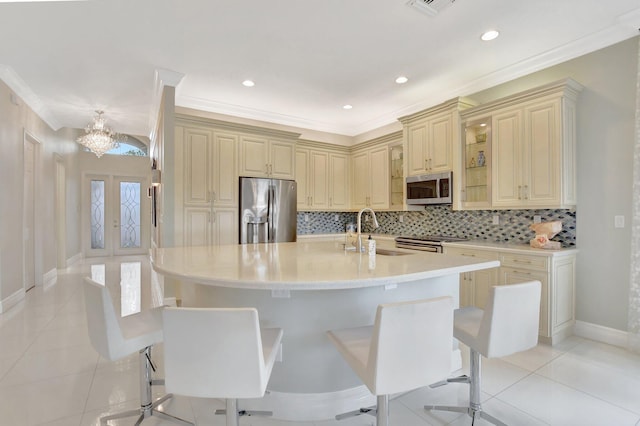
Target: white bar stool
408,347
219,353
138,334
509,324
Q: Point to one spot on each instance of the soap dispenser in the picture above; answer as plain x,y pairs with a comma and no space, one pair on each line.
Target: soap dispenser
372,245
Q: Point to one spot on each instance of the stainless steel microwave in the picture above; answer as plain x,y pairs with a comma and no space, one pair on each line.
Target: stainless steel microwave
433,188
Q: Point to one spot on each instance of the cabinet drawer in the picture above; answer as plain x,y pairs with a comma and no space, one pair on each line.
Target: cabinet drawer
480,254
538,263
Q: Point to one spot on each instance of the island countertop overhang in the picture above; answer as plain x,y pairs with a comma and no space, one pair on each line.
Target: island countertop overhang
304,266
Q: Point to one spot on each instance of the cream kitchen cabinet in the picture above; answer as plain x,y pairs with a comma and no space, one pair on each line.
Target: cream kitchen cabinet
312,176
528,157
202,226
474,286
263,157
554,269
533,147
557,302
338,181
207,178
431,136
323,179
370,178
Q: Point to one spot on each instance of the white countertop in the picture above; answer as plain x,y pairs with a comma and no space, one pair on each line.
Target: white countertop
511,248
304,266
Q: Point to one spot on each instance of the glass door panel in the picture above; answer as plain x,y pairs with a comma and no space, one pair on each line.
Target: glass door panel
117,217
132,226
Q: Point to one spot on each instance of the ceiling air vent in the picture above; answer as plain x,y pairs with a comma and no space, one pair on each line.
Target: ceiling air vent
430,7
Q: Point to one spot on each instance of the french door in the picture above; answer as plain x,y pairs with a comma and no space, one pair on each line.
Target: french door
116,215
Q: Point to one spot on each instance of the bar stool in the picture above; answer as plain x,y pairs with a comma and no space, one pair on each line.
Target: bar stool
113,342
219,353
509,324
409,346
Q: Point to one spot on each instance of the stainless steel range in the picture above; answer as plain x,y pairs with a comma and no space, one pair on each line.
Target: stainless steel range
432,243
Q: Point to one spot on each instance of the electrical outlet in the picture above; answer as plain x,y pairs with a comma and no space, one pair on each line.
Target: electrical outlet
496,219
537,218
336,217
618,221
401,218
306,218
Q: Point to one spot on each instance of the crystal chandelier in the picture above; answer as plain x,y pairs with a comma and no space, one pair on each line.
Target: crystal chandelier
99,138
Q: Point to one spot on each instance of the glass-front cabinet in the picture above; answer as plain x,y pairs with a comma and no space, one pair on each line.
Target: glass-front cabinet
476,160
397,176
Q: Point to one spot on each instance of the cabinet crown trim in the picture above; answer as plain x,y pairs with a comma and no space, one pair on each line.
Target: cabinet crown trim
455,103
386,139
213,124
302,143
567,87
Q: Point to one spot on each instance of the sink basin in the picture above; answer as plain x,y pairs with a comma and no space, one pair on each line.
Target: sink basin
385,252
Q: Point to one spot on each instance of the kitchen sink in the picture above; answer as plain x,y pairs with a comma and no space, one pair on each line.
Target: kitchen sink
385,252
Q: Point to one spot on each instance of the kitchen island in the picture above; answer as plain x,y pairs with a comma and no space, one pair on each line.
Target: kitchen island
307,288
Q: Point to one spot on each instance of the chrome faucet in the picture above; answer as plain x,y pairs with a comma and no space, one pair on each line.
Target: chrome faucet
375,224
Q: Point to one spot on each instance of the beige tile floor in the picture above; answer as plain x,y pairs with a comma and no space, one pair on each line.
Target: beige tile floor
50,375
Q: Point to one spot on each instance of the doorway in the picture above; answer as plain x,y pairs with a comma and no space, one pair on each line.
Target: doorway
29,212
61,213
116,215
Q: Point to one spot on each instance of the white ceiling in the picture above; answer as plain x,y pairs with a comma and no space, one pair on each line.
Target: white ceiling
308,59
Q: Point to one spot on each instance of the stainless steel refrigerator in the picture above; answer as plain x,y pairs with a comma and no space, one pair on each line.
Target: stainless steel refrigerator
267,210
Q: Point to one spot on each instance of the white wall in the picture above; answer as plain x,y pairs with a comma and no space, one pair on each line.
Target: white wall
14,121
606,117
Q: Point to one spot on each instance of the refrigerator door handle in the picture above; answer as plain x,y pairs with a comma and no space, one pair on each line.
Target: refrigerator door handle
270,208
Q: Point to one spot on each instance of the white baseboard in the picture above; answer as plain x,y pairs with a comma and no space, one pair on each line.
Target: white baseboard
73,259
12,300
602,334
50,278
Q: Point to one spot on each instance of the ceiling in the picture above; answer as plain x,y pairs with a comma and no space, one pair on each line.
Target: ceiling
307,59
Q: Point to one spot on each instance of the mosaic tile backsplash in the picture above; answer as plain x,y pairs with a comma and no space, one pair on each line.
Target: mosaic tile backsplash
442,220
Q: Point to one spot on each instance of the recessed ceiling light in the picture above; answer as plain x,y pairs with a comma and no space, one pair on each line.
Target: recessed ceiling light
402,79
248,83
347,106
483,125
489,35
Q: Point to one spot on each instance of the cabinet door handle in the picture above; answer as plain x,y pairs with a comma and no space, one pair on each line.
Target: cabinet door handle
519,192
526,192
266,167
430,163
330,201
467,254
522,261
310,200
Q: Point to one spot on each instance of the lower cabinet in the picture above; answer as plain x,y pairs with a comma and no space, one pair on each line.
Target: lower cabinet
554,270
204,227
474,286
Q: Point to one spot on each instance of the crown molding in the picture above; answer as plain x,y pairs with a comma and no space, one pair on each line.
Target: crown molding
261,115
162,78
215,124
22,89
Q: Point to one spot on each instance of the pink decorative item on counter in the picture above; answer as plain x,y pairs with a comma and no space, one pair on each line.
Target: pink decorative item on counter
544,232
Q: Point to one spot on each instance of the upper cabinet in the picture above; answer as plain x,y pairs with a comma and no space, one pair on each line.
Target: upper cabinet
322,177
476,164
532,149
262,157
372,169
431,137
